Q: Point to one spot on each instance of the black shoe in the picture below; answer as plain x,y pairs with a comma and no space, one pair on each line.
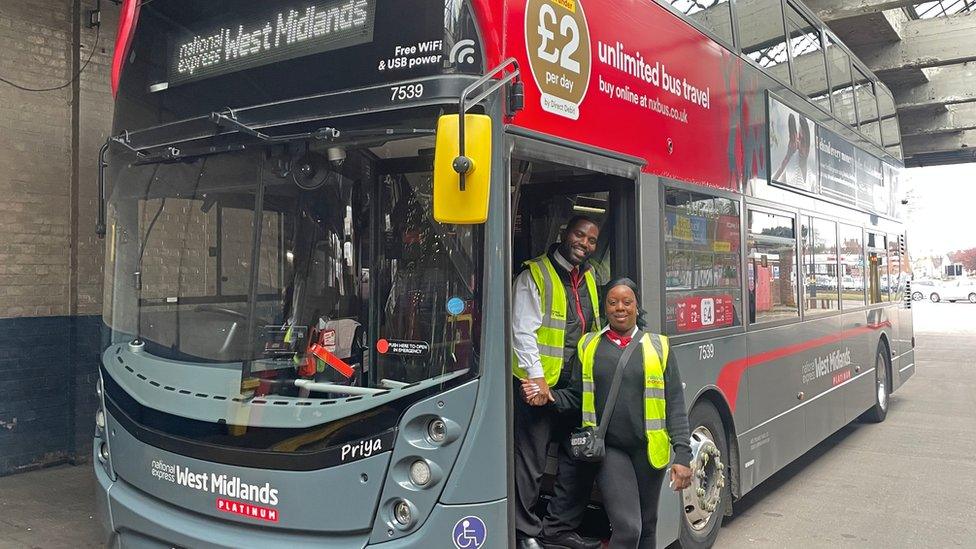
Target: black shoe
528,543
570,540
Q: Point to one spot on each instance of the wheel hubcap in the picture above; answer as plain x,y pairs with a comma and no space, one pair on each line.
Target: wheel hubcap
881,382
702,497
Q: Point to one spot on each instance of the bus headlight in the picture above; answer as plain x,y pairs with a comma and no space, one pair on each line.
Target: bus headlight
420,473
402,513
100,418
437,431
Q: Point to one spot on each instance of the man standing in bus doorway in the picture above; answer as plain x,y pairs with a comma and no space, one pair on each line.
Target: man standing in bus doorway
555,302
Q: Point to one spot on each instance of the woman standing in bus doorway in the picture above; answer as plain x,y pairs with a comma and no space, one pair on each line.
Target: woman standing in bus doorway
647,421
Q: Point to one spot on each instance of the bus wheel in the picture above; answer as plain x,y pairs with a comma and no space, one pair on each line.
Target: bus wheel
882,387
704,502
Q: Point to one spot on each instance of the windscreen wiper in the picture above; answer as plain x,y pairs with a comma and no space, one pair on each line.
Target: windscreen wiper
228,119
176,154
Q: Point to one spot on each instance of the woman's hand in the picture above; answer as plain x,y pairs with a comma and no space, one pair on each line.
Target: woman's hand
680,477
536,392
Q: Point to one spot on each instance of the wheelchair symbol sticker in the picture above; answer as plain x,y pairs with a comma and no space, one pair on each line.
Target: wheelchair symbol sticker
470,533
455,306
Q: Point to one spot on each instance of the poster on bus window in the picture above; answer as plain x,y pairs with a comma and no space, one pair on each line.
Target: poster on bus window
870,182
891,177
838,174
687,228
792,148
695,313
727,234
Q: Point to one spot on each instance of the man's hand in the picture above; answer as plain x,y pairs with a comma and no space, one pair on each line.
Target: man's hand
680,477
535,391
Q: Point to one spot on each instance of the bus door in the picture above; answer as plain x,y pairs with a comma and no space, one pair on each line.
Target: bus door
551,184
775,381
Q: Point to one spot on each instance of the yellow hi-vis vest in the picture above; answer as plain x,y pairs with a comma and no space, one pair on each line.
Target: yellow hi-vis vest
655,350
551,335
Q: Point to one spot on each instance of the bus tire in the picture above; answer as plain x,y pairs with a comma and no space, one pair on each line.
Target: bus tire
882,386
699,526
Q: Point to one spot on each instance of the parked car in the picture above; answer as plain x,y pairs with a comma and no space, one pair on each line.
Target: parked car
923,288
954,290
853,282
826,282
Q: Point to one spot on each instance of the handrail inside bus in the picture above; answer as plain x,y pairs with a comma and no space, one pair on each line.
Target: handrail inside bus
320,387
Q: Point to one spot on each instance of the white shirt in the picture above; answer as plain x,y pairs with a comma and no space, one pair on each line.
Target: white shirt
527,318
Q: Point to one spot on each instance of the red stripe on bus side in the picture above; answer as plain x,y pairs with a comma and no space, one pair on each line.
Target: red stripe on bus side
731,374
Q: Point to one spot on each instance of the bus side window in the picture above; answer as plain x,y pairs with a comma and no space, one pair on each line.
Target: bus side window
702,262
877,268
820,280
772,260
763,36
852,267
713,15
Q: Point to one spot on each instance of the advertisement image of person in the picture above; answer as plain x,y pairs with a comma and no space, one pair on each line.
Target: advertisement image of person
554,303
647,426
798,152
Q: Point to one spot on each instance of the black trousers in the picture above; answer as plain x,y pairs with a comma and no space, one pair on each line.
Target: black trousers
626,478
571,493
535,427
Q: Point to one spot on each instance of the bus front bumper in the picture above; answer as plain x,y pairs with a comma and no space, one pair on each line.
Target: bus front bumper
131,518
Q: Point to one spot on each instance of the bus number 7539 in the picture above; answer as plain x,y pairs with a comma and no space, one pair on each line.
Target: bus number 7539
706,351
408,91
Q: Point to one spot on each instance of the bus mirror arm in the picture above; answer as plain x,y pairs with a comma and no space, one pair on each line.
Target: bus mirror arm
122,139
462,164
102,164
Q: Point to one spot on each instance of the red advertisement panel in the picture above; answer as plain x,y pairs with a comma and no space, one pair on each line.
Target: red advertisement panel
728,233
627,76
696,313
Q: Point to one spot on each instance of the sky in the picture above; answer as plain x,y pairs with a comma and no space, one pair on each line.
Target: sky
941,215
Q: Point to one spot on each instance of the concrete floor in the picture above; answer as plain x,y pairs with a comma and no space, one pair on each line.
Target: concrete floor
908,482
49,509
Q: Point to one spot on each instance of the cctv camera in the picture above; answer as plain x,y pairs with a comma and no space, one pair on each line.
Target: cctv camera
336,155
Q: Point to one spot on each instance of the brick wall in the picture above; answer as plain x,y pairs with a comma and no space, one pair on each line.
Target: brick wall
50,259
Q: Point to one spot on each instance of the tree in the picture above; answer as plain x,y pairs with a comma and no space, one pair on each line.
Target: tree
966,257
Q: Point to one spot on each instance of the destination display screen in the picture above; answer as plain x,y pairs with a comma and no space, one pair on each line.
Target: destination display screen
838,171
242,42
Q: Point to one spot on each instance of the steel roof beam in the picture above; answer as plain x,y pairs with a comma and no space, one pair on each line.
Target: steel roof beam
831,10
924,144
925,43
946,85
956,118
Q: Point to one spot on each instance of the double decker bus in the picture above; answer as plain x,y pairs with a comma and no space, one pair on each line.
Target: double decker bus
314,209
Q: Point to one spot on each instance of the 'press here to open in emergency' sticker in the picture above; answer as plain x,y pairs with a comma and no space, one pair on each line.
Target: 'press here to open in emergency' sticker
402,347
